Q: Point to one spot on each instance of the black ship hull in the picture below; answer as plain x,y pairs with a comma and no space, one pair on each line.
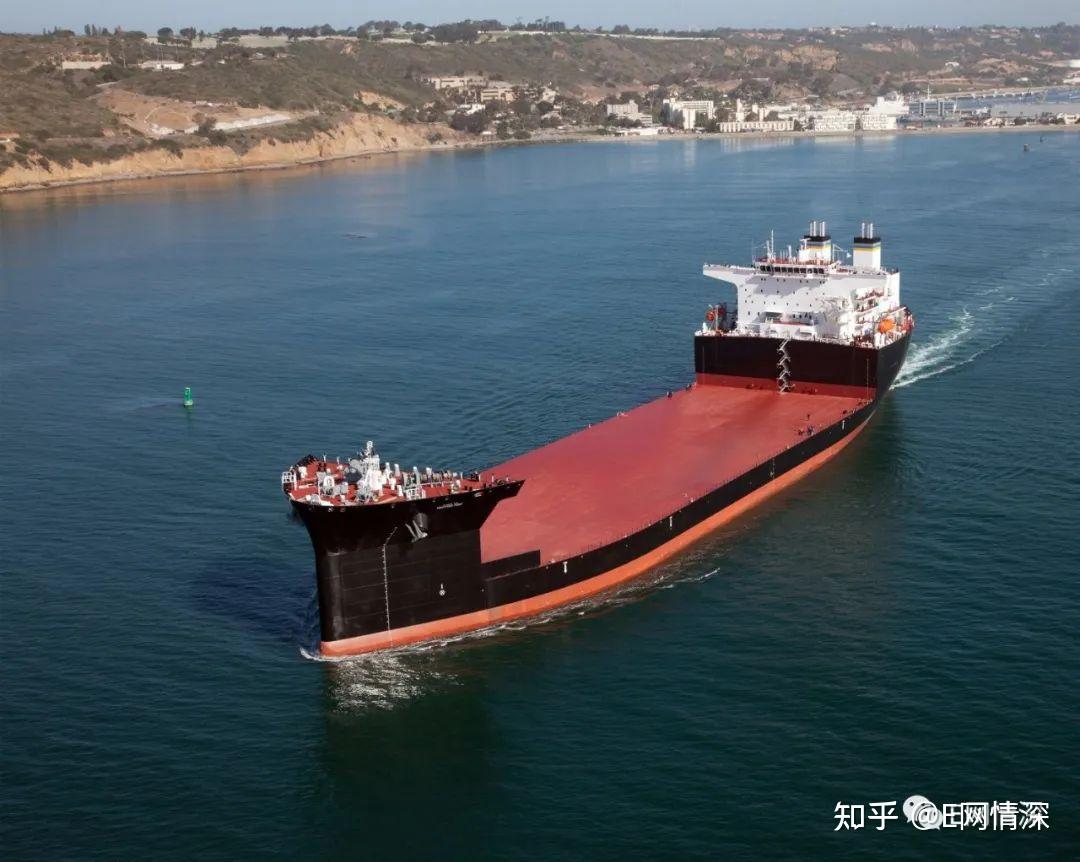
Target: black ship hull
816,367
380,586
390,566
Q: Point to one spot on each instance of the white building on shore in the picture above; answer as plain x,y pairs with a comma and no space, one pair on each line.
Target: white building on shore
628,111
832,120
756,126
161,65
457,82
643,131
497,91
871,122
892,105
684,114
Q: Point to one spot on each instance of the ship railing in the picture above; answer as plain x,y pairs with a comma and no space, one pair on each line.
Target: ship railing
463,477
405,488
759,330
795,267
728,267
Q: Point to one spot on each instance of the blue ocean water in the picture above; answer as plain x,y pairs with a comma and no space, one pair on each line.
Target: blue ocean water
904,621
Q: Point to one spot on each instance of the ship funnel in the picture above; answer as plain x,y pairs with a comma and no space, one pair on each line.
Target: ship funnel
867,254
816,245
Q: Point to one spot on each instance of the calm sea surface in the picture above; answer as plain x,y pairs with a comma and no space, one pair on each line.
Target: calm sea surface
904,621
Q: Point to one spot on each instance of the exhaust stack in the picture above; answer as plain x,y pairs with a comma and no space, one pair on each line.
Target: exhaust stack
816,244
867,253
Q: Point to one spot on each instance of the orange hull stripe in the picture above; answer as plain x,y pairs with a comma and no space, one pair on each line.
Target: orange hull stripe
590,587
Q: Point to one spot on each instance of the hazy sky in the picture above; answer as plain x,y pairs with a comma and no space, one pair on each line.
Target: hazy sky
212,14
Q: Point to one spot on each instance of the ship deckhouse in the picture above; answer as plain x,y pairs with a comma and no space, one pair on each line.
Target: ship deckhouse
811,293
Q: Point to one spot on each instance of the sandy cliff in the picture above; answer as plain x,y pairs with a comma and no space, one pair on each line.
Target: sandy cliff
362,134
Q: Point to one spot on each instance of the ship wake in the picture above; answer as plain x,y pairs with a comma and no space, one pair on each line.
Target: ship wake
942,353
969,334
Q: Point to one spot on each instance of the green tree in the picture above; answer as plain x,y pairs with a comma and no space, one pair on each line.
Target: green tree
475,122
464,31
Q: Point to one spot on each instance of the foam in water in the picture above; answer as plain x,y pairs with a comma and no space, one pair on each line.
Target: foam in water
939,354
968,336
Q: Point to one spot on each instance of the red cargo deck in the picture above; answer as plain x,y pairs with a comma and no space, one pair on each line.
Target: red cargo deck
604,482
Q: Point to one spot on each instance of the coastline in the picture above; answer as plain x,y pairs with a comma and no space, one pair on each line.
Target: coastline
225,170
460,144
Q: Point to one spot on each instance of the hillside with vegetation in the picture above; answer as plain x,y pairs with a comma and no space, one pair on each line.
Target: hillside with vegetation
98,96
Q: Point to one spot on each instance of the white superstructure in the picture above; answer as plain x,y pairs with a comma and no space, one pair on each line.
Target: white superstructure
811,293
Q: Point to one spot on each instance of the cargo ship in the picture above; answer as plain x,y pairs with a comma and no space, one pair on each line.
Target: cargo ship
782,382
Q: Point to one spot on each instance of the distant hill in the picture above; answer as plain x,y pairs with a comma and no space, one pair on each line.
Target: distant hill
238,91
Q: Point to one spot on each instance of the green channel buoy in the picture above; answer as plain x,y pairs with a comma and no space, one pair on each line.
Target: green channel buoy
189,401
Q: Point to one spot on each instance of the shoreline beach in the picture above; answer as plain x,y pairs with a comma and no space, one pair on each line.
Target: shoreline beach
544,140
